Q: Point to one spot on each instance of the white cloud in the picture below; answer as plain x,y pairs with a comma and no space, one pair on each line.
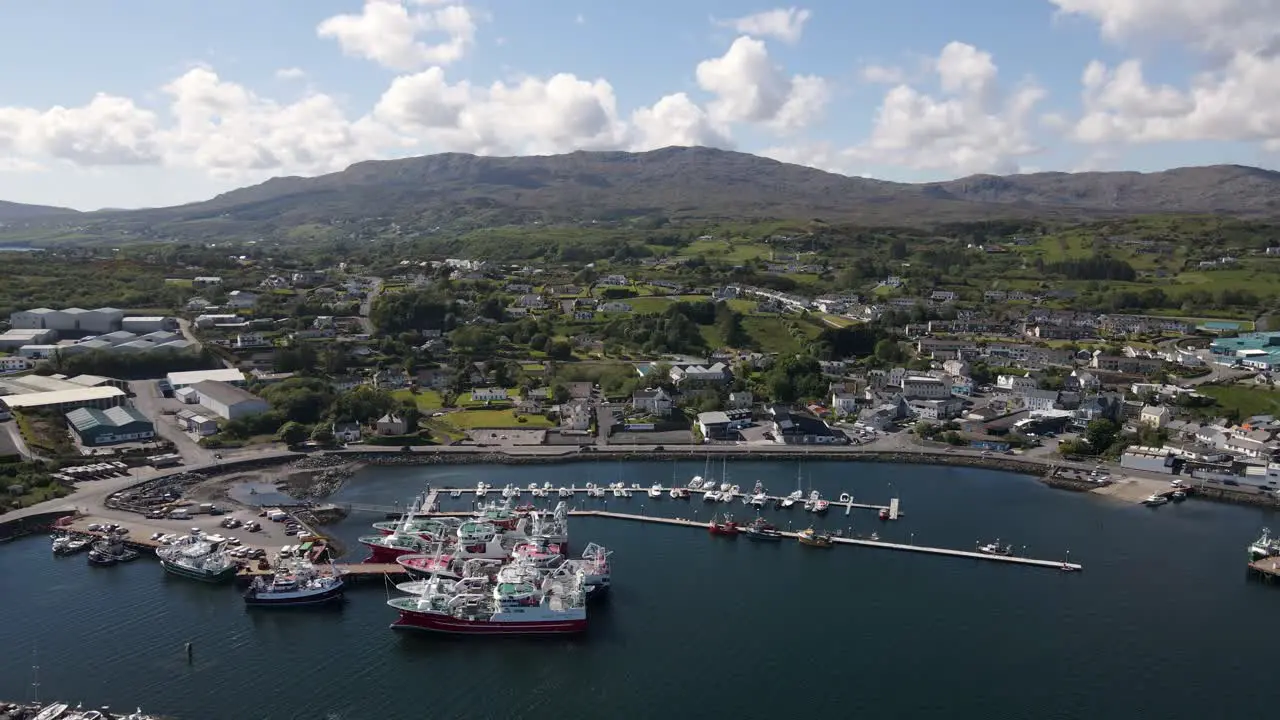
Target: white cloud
749,87
676,120
1235,98
971,127
882,74
389,33
290,73
533,116
580,19
109,130
785,24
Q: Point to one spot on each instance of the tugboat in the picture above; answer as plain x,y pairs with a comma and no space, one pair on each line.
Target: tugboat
295,583
995,548
813,538
761,531
726,527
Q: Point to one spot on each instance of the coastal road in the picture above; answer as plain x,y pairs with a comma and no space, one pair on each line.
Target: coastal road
15,437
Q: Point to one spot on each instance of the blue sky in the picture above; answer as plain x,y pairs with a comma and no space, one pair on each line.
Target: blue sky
197,98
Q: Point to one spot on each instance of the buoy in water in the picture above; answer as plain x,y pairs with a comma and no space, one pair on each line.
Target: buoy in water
190,651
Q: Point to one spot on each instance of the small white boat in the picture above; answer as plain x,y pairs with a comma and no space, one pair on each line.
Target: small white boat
626,492
846,498
791,499
455,494
711,496
617,492
759,499
1155,499
674,493
724,487
482,489
726,497
695,483
655,491
636,486
565,492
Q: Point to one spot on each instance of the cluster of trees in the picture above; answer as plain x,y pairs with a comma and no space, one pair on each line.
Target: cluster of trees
129,366
306,407
1095,267
1101,437
429,309
34,481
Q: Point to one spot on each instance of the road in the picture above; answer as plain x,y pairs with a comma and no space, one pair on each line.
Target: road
150,402
19,444
189,335
367,304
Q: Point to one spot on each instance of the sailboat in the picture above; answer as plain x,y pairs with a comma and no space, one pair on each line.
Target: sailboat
796,494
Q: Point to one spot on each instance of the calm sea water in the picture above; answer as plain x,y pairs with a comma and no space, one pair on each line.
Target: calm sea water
1162,623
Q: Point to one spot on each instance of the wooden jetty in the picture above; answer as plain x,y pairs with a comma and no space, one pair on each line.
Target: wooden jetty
1268,568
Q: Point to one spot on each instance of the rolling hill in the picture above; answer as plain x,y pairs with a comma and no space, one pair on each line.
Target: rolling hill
18,212
460,192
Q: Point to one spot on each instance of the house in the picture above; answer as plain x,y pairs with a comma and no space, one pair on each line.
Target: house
614,306
613,280
206,281
945,409
1081,381
844,403
241,299
700,375
346,432
654,401
489,394
1038,400
798,429
575,416
1126,365
1016,383
391,424
713,425
740,400
1156,416
528,406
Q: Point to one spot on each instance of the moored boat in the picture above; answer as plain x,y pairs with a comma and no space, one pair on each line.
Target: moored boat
197,558
723,527
294,583
995,548
386,548
1265,546
821,506
760,530
1155,500
813,538
555,606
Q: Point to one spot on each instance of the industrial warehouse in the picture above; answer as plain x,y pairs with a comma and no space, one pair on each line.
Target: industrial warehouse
116,425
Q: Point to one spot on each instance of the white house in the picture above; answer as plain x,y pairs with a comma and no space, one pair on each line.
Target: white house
1016,383
1040,400
9,364
575,415
844,403
1157,416
391,424
654,401
699,374
346,432
489,394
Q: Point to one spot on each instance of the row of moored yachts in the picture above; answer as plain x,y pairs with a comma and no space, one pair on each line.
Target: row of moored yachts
504,571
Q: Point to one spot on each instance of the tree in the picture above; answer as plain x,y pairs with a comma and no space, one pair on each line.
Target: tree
362,404
889,351
538,342
293,433
560,394
323,435
560,350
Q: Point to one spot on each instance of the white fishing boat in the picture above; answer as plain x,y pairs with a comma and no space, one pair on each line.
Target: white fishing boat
695,483
1265,546
482,489
711,496
565,492
655,491
1155,500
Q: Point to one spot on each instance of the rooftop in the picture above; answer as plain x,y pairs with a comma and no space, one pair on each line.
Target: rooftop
80,394
223,392
191,377
87,418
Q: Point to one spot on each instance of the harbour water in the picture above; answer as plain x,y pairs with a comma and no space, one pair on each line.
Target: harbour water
1161,623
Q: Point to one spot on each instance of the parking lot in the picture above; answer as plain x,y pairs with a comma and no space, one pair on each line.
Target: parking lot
507,437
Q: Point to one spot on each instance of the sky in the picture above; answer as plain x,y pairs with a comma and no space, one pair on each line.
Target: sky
153,102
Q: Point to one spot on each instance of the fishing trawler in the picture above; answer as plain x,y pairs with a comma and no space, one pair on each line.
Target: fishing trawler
198,557
1265,546
477,606
813,538
296,582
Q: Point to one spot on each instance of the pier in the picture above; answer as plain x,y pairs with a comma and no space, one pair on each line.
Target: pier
638,493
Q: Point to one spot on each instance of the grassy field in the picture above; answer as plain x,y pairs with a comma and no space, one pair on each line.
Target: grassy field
468,419
728,250
1248,400
424,399
649,305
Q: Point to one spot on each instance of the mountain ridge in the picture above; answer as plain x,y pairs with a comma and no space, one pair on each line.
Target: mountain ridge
457,190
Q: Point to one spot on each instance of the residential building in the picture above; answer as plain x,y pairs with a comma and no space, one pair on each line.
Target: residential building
346,432
1156,416
924,387
11,364
241,299
1126,365
489,394
689,375
614,306
206,281
844,403
793,428
613,280
1037,400
391,424
740,400
956,367
228,401
944,409
961,385
120,424
1081,381
654,401
1016,383
713,425
576,415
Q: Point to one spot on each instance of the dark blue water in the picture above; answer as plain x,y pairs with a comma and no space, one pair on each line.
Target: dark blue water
1162,623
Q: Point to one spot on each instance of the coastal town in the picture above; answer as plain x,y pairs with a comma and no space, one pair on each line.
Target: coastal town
460,356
